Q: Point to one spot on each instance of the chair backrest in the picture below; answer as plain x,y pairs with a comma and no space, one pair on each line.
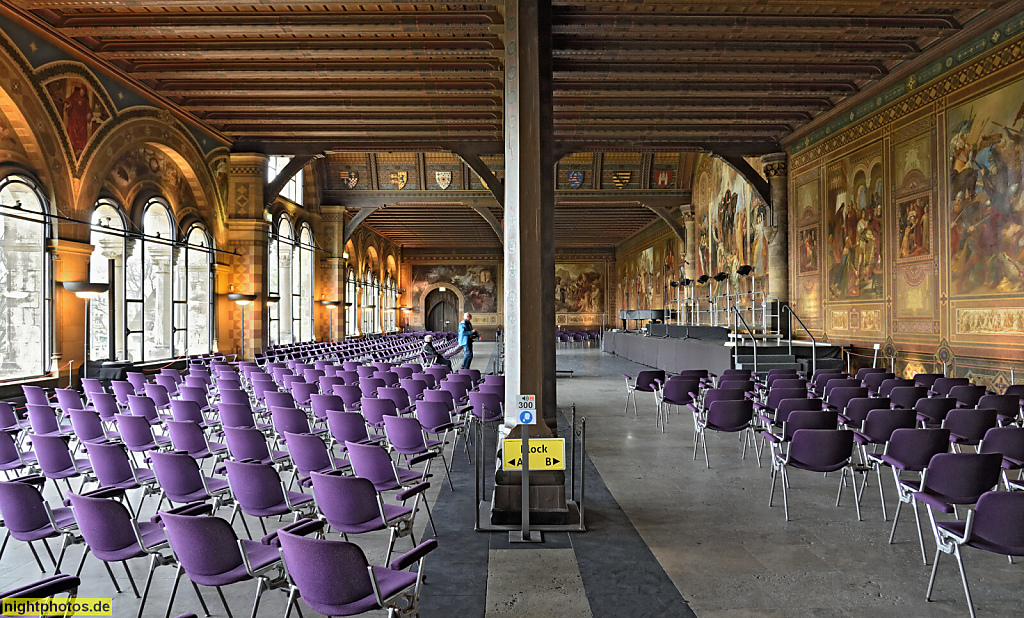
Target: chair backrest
21,506
205,546
238,397
254,485
735,384
403,372
105,524
9,453
42,418
52,453
874,380
194,393
289,420
346,500
347,426
350,394
320,404
457,389
371,462
486,406
907,396
122,390
308,452
934,409
961,478
822,447
785,381
187,410
8,417
778,394
838,383
879,423
91,386
327,573
413,387
374,410
969,424
68,399
350,377
1007,441
496,389
864,371
365,371
136,379
158,394
1007,405
178,474
135,431
821,379
327,383
999,520
645,379
277,399
885,388
301,392
840,396
426,378
723,394
88,426
143,406
110,464
432,414
810,419
236,415
395,394
405,434
186,436
858,408
677,390
927,380
731,415
35,395
390,378
788,406
246,443
169,383
369,386
967,394
942,386
914,448
105,405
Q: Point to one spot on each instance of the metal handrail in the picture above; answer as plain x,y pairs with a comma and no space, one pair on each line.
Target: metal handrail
814,342
735,348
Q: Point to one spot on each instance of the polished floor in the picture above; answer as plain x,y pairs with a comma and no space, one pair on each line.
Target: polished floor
665,536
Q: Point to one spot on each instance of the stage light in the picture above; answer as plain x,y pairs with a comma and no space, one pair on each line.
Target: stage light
744,270
674,284
721,276
703,279
686,282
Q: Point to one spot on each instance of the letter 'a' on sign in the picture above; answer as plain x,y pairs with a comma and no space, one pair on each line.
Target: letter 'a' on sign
526,409
545,454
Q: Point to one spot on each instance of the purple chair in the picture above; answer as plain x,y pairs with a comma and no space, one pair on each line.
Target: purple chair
114,469
907,396
112,535
349,427
426,378
1008,442
13,458
209,552
910,450
350,394
277,399
863,372
953,479
43,421
838,398
873,381
435,418
37,396
372,462
158,393
932,411
334,577
733,416
302,391
327,383
885,388
28,518
189,437
170,384
259,493
1007,407
787,406
69,400
368,386
414,388
403,403
249,443
351,377
146,408
995,525
106,406
138,381
858,408
240,415
374,411
485,407
122,390
365,371
9,420
676,392
403,372
834,383
459,391
292,420
320,404
790,419
816,450
57,463
310,454
644,382
182,482
967,395
91,386
968,426
876,429
942,386
390,377
138,435
196,394
406,437
927,380
189,411
351,505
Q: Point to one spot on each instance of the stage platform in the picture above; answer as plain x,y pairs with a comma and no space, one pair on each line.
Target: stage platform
673,354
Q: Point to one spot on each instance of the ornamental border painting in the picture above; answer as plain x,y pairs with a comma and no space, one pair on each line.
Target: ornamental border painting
854,216
985,163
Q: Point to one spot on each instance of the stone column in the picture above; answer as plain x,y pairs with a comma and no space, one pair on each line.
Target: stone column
70,263
778,230
690,250
247,234
333,221
529,305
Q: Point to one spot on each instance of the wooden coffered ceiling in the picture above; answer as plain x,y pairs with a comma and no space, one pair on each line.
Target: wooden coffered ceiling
289,77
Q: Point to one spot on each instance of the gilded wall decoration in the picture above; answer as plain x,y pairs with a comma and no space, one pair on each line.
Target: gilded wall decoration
839,320
1008,321
915,291
579,288
854,220
985,153
477,282
150,164
912,163
807,201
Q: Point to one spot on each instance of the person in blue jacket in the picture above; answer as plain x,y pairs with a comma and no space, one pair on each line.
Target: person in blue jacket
466,337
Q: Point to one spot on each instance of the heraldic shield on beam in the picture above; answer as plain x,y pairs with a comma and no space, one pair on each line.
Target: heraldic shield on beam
444,179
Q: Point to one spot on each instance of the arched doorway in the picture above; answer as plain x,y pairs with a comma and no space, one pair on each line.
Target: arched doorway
442,310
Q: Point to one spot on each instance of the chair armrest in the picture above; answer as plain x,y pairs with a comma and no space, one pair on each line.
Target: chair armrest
405,494
412,556
47,587
302,527
933,502
31,479
105,492
421,458
192,508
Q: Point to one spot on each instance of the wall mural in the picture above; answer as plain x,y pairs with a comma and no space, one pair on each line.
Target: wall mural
150,164
579,288
477,282
986,188
80,109
913,227
854,217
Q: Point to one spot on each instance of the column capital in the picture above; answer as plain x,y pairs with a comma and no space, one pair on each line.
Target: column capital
775,164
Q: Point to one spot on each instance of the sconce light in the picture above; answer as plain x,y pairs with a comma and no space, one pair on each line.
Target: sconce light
442,289
86,290
330,304
242,299
273,300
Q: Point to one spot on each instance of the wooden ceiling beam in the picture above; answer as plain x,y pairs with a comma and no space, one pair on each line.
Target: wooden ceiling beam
565,22
214,4
489,78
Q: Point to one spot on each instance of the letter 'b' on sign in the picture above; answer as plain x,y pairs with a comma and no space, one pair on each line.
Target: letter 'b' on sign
526,408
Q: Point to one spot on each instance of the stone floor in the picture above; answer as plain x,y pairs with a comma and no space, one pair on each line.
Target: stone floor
665,535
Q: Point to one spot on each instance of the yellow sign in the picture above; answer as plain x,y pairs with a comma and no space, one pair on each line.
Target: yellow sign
545,454
56,607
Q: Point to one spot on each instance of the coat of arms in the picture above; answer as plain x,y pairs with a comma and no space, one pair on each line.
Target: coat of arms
351,179
444,179
663,178
575,179
399,179
621,179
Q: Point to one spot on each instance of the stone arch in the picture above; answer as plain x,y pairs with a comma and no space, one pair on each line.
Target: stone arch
433,286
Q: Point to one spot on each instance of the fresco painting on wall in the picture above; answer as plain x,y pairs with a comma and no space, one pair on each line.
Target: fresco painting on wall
151,164
986,189
990,321
579,288
913,163
80,109
913,227
855,231
807,247
477,282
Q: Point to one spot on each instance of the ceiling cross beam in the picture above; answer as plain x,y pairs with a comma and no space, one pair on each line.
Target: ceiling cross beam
274,186
755,180
357,220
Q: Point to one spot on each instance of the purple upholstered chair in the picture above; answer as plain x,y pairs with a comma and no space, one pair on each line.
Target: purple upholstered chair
885,388
57,463
310,454
158,393
250,443
112,535
907,396
349,427
187,410
932,411
334,577
995,525
403,402
210,554
196,394
145,407
816,450
44,422
927,379
89,427
968,426
1007,406
182,482
69,400
369,386
943,386
9,420
114,469
967,395
858,408
1008,442
910,450
351,505
365,371
106,406
839,397
877,429
374,410
277,399
390,377
372,462
138,435
170,384
188,437
725,416
292,420
486,407
350,394
28,518
405,434
873,381
137,380
259,493
13,458
240,415
644,382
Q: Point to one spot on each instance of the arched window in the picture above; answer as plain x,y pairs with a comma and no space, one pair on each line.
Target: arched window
192,293
388,308
280,281
149,289
304,313
351,303
376,300
106,265
366,303
25,298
